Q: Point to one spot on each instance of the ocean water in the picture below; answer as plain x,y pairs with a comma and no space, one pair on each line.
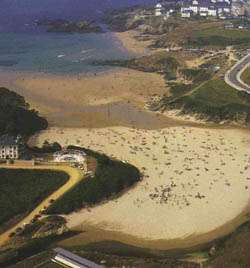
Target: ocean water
57,53
26,47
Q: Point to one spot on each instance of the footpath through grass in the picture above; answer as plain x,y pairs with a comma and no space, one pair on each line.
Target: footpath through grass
23,189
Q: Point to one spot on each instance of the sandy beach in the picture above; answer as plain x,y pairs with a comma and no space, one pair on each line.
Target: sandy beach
129,41
195,180
87,100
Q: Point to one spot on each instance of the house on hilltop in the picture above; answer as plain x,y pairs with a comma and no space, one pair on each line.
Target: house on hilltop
11,147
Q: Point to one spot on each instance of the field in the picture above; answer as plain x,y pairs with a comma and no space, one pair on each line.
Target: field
218,36
246,76
22,190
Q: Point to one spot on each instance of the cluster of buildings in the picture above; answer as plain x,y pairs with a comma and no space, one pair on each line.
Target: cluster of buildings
205,8
222,9
13,148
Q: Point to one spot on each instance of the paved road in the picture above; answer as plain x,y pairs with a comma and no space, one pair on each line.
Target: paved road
232,77
75,176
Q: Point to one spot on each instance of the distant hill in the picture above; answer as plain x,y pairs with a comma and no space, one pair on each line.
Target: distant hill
16,14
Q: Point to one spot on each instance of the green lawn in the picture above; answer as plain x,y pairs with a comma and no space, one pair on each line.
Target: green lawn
246,76
22,190
217,93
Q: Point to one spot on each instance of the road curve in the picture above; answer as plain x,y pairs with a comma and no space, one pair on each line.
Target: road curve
75,176
233,76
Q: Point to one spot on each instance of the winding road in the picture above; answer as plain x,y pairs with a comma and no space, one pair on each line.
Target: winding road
75,176
233,76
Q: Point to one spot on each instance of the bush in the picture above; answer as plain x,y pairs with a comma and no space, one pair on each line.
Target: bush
47,148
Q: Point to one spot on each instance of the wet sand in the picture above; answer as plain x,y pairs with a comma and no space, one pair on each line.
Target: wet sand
195,180
105,99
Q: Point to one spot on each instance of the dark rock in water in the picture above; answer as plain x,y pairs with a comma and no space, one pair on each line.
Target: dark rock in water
8,63
65,26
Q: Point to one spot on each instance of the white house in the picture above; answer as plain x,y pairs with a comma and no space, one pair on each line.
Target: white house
158,9
212,11
186,13
11,147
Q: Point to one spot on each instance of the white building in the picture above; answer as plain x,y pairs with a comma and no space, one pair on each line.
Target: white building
69,155
186,14
11,147
204,8
67,259
158,9
212,11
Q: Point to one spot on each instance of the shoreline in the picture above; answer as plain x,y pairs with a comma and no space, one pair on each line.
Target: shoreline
131,44
94,234
221,207
105,111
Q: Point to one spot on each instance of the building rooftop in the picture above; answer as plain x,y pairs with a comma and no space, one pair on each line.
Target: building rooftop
82,262
207,3
6,140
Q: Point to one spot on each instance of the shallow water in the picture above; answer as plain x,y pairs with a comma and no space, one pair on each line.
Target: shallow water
57,53
26,47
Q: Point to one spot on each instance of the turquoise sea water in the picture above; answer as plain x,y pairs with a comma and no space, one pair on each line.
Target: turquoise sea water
56,52
26,47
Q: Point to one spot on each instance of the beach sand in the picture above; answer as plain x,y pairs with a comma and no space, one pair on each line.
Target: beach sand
195,179
104,99
130,42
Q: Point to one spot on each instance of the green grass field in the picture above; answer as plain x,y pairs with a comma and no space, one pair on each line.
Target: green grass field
22,190
218,36
217,93
246,76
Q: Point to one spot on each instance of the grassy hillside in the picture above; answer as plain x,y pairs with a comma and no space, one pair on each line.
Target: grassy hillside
110,178
218,36
16,117
213,100
22,190
160,62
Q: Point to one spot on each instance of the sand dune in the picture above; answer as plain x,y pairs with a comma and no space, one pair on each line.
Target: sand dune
195,180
